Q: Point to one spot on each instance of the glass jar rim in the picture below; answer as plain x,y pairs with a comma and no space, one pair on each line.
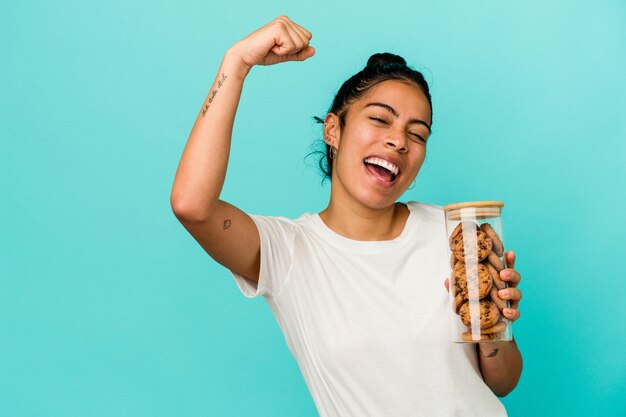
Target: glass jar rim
477,204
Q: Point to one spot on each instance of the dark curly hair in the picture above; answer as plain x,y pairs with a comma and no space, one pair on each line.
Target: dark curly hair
380,67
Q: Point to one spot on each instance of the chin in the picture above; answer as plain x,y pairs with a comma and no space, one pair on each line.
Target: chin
377,201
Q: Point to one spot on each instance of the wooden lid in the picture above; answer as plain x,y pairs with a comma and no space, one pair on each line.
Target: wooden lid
473,210
476,204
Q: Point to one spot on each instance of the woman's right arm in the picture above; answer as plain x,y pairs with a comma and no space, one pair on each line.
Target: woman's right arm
226,233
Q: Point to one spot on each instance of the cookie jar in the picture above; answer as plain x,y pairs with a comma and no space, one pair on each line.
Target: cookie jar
476,243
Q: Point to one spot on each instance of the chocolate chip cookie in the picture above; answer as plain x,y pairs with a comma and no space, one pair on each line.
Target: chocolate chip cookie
495,261
502,304
497,246
472,282
477,249
488,311
496,328
495,275
468,337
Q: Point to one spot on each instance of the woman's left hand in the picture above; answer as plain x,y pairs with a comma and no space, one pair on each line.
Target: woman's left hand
512,294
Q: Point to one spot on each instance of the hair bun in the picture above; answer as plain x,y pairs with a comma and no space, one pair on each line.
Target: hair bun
384,59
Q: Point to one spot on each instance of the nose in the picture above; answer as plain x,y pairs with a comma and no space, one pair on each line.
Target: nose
396,141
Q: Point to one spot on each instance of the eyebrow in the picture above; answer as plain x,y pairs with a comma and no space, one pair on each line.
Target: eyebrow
395,113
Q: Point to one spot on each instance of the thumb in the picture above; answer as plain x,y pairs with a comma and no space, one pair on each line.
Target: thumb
305,53
446,284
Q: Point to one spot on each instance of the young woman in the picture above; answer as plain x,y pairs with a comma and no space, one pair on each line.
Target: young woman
356,289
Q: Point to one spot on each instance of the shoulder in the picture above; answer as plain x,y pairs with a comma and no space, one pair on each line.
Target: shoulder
279,225
430,212
279,221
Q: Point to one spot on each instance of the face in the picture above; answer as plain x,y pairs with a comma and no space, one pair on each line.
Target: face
382,145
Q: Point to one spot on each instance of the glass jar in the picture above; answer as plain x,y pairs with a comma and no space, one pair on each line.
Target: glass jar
476,242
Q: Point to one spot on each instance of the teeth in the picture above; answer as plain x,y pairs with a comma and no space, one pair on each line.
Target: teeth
381,162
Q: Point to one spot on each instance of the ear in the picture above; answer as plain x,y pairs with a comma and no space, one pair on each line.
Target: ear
332,130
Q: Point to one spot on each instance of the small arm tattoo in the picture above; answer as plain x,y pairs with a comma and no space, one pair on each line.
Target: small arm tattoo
220,83
226,224
491,355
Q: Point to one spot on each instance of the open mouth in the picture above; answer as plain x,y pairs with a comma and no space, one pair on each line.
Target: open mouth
382,169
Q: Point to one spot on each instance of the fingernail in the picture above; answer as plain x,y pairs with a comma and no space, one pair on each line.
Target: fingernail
503,293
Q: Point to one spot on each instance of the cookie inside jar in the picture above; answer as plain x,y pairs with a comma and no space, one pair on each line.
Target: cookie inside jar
476,259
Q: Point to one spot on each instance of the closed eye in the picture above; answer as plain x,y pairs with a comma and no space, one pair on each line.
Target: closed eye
417,137
379,120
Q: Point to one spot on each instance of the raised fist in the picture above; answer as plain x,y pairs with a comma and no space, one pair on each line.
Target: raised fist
280,40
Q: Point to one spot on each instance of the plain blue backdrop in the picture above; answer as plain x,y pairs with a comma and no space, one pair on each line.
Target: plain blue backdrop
109,308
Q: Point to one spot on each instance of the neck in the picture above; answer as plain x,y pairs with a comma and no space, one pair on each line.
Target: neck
365,223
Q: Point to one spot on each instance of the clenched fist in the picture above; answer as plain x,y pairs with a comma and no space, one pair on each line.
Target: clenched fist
280,40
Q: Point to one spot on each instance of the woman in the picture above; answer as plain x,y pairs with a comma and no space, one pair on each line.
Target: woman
356,288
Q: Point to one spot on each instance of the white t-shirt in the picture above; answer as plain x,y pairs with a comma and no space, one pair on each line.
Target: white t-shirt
369,321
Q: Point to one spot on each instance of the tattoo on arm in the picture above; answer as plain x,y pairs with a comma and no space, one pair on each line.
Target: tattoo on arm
220,82
492,354
226,224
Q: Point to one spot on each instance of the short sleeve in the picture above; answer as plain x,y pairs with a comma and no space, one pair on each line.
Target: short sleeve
276,235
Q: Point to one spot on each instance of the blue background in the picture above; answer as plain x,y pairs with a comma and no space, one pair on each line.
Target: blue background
109,308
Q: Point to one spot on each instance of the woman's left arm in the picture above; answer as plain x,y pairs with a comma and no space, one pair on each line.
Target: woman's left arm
501,362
